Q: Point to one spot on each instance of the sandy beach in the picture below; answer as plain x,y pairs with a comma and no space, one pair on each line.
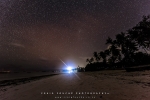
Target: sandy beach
101,85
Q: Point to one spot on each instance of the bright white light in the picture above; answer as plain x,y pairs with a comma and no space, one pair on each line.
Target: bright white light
69,68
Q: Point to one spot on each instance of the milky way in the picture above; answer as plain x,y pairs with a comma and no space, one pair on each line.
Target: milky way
35,34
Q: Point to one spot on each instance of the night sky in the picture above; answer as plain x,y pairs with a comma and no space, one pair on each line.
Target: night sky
36,34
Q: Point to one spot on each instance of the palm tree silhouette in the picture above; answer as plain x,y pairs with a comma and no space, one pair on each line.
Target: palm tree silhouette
96,56
141,33
113,49
124,49
103,55
90,60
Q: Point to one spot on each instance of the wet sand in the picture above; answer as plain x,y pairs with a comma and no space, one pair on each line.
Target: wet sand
109,85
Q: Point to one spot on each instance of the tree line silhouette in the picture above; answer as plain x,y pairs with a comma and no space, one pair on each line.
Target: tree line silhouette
128,49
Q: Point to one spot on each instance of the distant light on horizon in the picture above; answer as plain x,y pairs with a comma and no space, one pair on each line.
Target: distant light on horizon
69,68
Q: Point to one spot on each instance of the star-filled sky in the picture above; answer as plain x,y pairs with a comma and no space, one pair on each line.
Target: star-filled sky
36,34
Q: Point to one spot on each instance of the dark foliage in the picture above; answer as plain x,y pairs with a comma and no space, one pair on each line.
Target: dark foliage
94,66
125,50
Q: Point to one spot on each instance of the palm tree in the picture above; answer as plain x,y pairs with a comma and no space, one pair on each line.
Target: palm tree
103,55
114,53
127,45
120,39
96,56
90,60
107,52
109,41
141,33
87,60
113,49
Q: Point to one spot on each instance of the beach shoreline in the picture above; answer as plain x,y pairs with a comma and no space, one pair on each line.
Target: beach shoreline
118,84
